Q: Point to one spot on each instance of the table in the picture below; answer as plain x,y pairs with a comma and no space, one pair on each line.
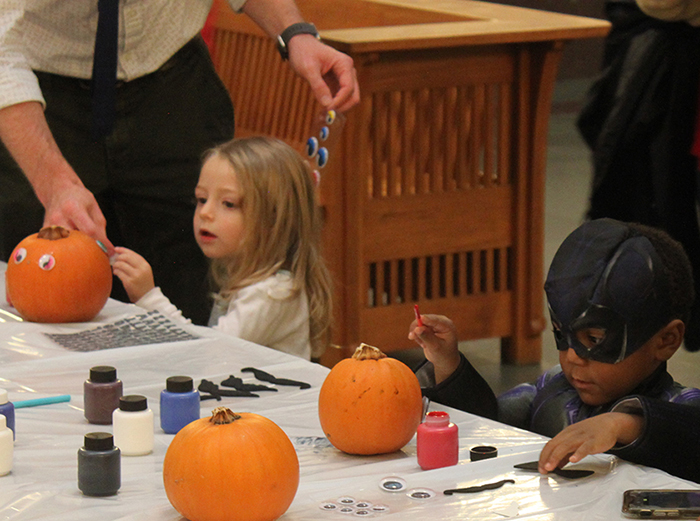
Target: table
43,484
435,193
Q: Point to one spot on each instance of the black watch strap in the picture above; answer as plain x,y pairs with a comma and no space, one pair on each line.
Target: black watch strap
290,32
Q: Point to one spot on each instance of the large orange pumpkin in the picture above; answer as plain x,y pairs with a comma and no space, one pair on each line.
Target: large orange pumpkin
58,275
370,403
231,467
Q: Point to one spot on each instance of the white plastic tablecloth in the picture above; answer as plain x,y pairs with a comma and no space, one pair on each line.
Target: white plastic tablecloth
43,483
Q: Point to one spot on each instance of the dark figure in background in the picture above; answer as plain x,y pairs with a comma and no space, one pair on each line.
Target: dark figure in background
639,122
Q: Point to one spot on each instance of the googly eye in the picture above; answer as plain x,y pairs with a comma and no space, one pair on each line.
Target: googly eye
330,117
322,157
392,484
19,255
363,504
47,262
362,513
345,500
421,493
323,133
379,508
311,146
346,510
328,506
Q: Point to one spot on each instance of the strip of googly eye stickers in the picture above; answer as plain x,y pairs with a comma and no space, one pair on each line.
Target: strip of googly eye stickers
326,131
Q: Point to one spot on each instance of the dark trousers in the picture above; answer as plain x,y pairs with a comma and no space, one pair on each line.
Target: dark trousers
143,174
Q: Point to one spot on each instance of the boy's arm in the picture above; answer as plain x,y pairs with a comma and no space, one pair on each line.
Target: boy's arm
465,389
669,440
447,377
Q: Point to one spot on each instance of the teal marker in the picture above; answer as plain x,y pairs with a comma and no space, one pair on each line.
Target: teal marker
42,401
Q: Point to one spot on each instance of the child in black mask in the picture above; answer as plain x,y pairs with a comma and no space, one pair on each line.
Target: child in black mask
619,295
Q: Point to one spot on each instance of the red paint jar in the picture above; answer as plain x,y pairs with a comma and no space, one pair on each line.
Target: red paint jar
438,441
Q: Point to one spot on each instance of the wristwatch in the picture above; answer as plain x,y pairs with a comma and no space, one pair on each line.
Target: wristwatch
290,32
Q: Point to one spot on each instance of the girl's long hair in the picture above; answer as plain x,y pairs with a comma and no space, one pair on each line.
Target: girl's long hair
283,222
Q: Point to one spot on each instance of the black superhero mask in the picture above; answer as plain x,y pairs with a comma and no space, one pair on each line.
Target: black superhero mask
606,277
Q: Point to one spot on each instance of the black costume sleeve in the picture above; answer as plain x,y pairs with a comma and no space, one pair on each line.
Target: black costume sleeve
465,389
670,440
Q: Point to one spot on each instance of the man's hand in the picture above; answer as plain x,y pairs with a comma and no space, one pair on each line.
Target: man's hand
330,73
591,436
134,272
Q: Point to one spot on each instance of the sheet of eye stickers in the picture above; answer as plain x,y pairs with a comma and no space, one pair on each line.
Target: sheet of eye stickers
147,328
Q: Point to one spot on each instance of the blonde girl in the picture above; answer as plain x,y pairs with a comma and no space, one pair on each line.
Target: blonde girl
258,220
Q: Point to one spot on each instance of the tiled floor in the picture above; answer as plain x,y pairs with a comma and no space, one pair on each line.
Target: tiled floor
568,179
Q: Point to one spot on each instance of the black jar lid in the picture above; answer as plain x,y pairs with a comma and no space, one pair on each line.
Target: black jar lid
99,441
133,402
103,374
179,384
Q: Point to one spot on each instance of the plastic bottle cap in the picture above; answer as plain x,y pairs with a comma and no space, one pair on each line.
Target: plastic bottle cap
3,396
179,384
3,422
103,374
133,402
437,418
99,441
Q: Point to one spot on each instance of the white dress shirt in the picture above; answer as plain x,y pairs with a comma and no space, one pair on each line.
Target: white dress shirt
270,313
58,36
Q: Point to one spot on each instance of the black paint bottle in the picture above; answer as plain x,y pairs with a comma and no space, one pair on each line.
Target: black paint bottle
99,465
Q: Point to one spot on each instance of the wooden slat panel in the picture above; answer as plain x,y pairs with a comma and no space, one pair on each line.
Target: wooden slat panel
488,317
411,226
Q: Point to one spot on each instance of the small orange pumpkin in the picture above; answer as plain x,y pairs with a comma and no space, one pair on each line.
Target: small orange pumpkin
231,467
58,275
370,403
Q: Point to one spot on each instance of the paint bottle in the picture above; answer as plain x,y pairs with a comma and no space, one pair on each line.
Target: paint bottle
7,409
133,426
438,441
101,393
7,447
179,404
99,465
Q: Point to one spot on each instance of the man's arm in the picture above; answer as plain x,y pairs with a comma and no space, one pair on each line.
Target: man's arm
25,133
330,73
672,10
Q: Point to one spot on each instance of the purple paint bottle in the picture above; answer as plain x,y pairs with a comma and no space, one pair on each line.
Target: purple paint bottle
101,393
7,409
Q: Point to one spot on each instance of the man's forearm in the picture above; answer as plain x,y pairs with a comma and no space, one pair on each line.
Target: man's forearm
25,133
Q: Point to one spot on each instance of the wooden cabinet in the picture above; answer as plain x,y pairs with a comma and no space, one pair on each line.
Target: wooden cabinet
435,193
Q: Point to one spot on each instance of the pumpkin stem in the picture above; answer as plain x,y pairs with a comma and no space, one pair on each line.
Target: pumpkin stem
53,233
223,415
368,352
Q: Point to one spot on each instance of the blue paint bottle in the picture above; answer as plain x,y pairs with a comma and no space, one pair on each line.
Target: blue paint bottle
7,409
179,404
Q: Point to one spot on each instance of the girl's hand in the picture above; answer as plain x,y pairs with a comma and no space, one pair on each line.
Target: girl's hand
591,436
134,272
438,338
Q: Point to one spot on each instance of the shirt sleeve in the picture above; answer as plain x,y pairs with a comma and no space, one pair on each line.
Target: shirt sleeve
154,300
18,83
669,440
465,389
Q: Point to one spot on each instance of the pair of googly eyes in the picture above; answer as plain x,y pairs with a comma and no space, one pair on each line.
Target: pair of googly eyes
314,150
396,484
46,262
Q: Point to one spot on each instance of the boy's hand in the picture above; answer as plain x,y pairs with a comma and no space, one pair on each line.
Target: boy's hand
134,272
438,338
591,436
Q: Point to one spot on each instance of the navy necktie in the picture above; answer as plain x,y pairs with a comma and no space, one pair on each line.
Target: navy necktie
104,67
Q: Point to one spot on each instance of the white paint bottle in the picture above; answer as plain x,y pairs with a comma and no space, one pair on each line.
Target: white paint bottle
133,426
